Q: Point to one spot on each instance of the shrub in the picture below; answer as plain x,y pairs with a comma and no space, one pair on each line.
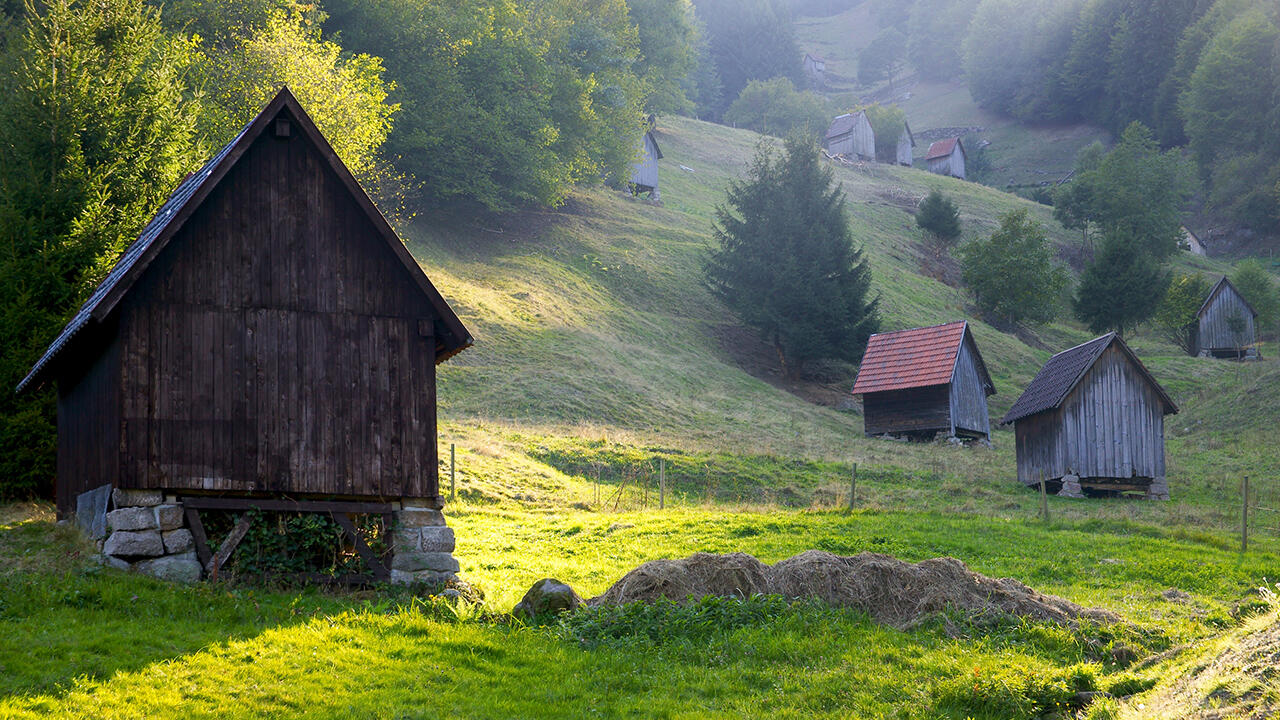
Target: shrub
1012,273
775,107
940,218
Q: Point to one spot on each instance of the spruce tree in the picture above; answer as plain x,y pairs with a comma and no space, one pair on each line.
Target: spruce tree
785,261
939,216
1121,287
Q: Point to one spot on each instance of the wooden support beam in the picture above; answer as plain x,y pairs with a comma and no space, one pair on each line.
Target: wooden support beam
274,505
228,546
198,535
366,553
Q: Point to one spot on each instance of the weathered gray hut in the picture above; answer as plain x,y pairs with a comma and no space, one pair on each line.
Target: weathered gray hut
946,157
920,382
1191,242
906,141
815,69
1093,420
266,342
851,135
1226,324
644,172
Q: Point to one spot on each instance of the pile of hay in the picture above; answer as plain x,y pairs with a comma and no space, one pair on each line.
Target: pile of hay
891,591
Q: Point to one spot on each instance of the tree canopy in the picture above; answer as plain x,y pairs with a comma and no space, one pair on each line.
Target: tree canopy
1012,273
785,262
776,107
1121,287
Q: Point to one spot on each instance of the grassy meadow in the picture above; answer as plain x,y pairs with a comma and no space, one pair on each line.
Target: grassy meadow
600,361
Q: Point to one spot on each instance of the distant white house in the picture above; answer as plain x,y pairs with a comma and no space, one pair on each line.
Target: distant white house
815,69
946,157
906,141
644,172
1191,242
851,135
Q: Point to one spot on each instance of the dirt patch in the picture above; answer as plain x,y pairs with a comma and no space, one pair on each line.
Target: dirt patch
758,359
893,592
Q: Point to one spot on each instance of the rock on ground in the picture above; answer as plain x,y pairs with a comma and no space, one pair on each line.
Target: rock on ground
547,596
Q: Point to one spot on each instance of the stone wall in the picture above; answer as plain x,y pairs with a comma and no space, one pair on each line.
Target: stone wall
146,532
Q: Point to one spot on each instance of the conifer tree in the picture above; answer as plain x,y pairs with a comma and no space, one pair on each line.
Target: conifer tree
939,216
785,261
1121,287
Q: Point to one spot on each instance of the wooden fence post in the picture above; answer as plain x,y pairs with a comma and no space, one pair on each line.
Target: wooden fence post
662,483
1244,518
1044,498
853,487
453,474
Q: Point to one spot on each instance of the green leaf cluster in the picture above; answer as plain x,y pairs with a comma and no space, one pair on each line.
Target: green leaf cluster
1121,287
1012,273
1175,317
776,107
939,216
785,262
1258,287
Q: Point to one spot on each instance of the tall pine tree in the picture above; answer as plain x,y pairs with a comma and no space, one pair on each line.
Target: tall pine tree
786,263
1121,287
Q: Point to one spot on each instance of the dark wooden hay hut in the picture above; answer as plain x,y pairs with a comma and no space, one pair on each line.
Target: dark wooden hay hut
1226,324
1093,420
267,335
923,381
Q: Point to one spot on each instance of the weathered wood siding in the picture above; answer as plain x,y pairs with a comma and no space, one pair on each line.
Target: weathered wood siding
860,141
276,345
913,410
952,164
1214,333
904,149
88,428
1111,426
644,173
968,394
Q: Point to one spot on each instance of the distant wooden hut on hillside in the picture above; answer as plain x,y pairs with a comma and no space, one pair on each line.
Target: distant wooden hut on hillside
1226,324
815,69
851,135
906,141
1191,242
946,157
644,171
1093,420
920,382
267,342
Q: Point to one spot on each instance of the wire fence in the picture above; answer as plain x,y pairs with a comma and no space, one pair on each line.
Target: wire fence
1236,509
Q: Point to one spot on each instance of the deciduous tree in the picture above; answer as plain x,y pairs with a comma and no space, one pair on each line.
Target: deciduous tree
1012,273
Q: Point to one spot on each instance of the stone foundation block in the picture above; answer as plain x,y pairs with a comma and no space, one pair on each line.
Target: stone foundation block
431,577
132,518
170,517
411,561
91,511
182,568
136,498
1071,487
1158,490
436,539
124,543
418,517
178,541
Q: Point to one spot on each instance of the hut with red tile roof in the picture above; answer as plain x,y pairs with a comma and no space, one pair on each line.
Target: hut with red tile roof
946,157
920,382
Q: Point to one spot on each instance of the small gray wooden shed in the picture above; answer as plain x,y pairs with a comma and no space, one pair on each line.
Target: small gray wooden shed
851,135
1226,324
644,172
906,141
946,157
815,69
1092,421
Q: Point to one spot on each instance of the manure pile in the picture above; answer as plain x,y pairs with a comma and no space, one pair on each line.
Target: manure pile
893,592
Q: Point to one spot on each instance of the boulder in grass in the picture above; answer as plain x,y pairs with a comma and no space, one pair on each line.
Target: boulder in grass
182,568
548,596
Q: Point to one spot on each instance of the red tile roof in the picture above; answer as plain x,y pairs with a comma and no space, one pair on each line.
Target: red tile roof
942,148
910,358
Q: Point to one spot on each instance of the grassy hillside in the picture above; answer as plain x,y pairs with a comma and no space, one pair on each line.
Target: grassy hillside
599,358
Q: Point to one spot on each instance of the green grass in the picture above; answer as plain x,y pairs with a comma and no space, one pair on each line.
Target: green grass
598,359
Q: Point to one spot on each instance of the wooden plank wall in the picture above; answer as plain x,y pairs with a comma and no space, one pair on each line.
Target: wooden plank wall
1111,426
645,172
275,345
968,394
860,141
1215,333
912,410
88,421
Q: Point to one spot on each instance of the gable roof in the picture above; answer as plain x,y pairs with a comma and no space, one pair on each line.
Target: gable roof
815,58
657,151
844,123
189,195
919,357
1063,372
1218,287
943,148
